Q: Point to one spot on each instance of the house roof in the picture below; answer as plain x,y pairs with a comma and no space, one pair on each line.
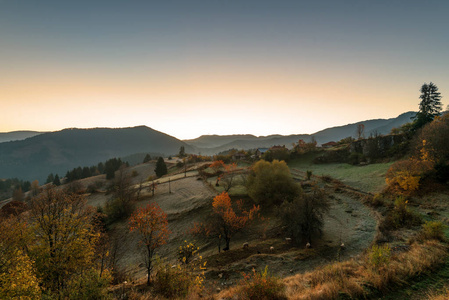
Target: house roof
278,147
330,144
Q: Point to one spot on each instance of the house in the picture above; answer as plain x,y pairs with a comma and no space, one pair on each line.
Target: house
329,145
261,151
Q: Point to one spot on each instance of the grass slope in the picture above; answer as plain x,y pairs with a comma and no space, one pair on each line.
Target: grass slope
369,178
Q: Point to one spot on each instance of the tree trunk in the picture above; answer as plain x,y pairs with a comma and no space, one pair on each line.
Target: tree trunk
228,240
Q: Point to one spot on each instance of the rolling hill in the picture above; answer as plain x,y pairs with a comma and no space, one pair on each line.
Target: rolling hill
212,144
17,135
57,152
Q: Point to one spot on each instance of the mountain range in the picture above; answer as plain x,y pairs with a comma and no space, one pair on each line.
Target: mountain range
57,152
212,144
32,155
17,135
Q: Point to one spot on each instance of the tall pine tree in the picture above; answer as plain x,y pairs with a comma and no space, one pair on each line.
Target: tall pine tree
430,105
161,167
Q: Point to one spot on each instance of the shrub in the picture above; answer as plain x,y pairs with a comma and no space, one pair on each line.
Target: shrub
134,173
400,216
403,177
262,286
356,158
187,251
179,280
117,209
88,285
379,257
308,174
432,230
378,200
171,282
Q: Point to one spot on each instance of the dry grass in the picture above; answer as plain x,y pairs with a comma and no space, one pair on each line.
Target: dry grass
357,279
441,295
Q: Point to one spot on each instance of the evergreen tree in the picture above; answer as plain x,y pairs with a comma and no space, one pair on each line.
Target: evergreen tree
85,173
50,178
56,181
161,167
430,105
147,158
182,152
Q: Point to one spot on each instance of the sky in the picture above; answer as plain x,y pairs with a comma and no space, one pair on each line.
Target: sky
189,68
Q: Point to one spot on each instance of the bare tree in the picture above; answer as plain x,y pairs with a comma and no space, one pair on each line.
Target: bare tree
360,131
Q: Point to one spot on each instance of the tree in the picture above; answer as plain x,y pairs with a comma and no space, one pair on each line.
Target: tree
35,190
430,105
404,176
225,220
182,152
271,183
152,225
360,131
304,216
17,194
64,238
18,278
111,166
50,178
433,140
228,177
147,158
125,195
161,167
57,181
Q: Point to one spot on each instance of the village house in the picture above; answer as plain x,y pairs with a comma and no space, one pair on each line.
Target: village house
329,145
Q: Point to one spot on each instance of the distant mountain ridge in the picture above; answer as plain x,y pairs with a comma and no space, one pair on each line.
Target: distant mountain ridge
60,151
212,144
57,152
17,135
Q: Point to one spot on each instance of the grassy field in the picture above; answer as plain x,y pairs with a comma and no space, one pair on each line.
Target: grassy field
369,178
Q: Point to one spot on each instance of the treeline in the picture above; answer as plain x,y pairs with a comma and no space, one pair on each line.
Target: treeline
8,186
109,168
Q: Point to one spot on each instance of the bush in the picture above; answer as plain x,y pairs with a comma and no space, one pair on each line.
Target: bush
432,230
171,282
308,174
117,209
88,285
356,158
404,176
378,200
187,251
262,286
379,257
400,216
179,280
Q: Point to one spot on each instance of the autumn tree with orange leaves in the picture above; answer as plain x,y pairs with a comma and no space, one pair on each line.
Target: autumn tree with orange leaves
152,225
225,220
228,177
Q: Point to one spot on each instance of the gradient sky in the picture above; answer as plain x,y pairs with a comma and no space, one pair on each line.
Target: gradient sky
189,68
